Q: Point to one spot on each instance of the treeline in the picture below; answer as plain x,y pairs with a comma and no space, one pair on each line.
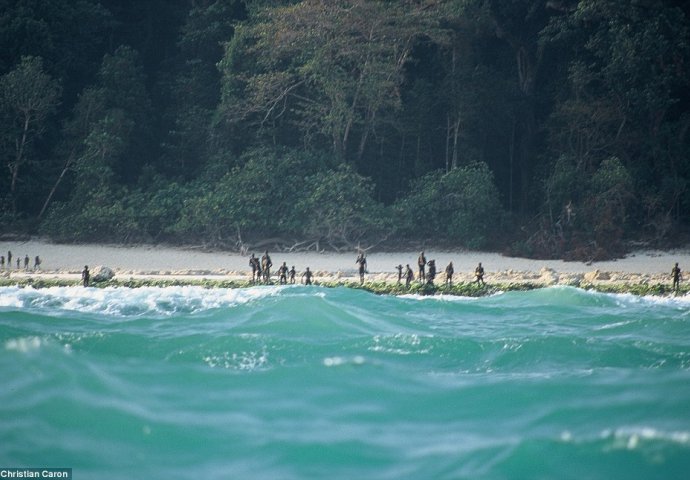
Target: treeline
545,128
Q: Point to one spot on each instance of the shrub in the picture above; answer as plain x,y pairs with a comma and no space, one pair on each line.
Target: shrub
337,206
461,206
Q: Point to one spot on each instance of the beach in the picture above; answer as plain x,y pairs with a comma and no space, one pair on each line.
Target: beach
62,261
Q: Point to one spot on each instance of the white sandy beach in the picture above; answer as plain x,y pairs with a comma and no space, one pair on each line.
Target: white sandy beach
66,261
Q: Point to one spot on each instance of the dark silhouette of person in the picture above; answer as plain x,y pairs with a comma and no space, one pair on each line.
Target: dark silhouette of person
421,262
409,275
677,276
293,272
266,265
400,272
19,263
26,262
307,276
449,274
282,272
431,274
362,262
9,259
479,273
85,276
37,263
254,263
2,262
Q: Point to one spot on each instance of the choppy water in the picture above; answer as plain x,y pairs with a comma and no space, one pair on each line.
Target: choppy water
299,382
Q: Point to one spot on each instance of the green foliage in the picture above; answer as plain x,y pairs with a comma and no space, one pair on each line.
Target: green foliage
586,214
626,74
223,121
255,198
332,70
338,207
287,193
562,187
28,95
607,206
461,206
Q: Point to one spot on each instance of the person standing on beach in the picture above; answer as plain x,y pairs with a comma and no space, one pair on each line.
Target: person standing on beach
362,261
676,274
479,273
85,276
449,274
266,265
282,272
2,262
37,263
19,263
399,269
253,262
421,262
9,259
409,275
293,272
432,272
26,262
307,276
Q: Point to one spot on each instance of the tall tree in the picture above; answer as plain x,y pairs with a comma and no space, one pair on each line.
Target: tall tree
627,93
124,84
108,136
70,36
330,71
193,88
519,23
28,96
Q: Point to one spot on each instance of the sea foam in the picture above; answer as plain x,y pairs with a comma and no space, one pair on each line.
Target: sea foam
128,302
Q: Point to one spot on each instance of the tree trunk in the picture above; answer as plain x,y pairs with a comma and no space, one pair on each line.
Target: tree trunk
19,158
56,185
511,167
20,154
447,143
456,135
371,115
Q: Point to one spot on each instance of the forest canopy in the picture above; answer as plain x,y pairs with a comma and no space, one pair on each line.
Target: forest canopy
551,128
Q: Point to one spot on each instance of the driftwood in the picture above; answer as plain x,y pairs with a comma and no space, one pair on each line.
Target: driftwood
319,245
333,242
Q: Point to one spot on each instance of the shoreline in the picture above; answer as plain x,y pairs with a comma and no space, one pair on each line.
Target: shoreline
641,271
385,287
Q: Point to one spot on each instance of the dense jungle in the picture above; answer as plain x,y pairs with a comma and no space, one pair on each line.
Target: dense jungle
551,129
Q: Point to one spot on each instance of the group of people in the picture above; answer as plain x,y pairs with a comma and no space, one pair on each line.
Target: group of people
6,262
429,275
261,271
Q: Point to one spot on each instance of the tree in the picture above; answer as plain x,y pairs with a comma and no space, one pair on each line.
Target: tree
518,24
461,206
108,136
69,35
330,72
254,199
28,96
192,89
89,109
339,209
627,78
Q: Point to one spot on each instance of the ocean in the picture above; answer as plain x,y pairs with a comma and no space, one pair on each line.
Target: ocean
315,383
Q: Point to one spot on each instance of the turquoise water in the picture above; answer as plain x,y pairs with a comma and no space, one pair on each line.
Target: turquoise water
301,383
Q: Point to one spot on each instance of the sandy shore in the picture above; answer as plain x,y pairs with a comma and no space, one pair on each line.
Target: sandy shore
67,261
